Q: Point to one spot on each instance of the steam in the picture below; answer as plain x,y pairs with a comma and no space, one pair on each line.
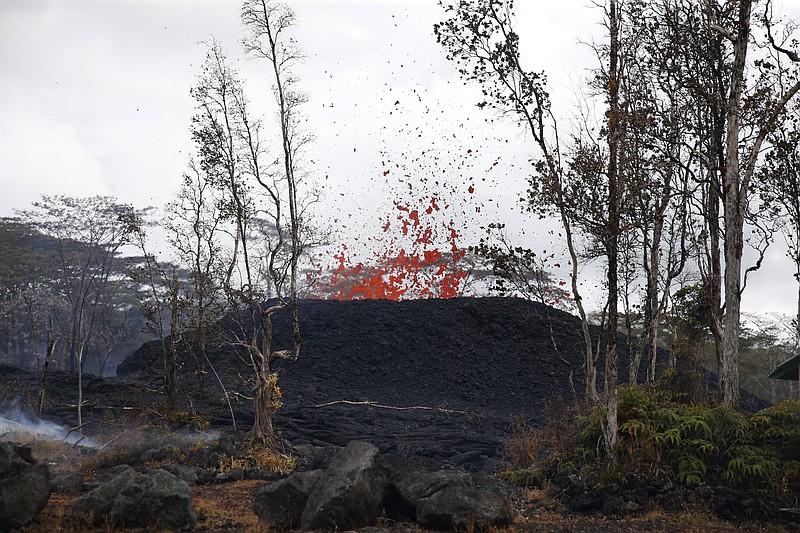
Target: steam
16,423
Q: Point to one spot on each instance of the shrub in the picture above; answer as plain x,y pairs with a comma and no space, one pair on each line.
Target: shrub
262,458
692,444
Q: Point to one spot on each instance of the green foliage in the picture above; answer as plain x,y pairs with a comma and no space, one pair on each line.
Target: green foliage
525,477
181,419
692,444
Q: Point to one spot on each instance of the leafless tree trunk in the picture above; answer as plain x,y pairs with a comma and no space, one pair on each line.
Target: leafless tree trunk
615,188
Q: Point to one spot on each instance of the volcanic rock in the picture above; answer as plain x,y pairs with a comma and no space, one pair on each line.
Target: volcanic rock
411,480
186,473
281,504
456,507
68,481
360,485
350,493
443,379
139,500
24,487
437,378
96,505
158,498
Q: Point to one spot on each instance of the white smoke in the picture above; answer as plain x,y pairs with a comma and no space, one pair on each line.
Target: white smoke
16,423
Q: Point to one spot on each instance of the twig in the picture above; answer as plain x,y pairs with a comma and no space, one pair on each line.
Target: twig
374,404
74,429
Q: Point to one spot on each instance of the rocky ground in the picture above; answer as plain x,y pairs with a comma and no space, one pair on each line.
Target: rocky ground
441,379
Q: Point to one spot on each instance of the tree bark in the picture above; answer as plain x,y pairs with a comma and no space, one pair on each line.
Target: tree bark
735,202
612,236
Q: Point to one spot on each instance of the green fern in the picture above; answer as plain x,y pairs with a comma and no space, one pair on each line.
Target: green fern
691,470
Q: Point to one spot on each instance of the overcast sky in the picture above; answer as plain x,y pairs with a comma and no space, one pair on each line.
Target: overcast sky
95,100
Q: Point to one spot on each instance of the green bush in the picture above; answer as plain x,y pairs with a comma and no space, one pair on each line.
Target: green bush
692,444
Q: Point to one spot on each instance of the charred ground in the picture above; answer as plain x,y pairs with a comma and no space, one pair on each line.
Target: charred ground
439,378
447,376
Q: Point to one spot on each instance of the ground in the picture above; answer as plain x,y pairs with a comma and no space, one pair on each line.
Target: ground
444,379
228,507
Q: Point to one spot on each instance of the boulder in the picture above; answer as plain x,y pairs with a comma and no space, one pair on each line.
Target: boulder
139,500
443,498
408,487
186,473
155,499
350,493
24,487
460,506
281,504
96,505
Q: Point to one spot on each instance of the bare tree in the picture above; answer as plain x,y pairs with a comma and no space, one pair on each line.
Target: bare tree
268,23
193,222
89,233
258,198
164,307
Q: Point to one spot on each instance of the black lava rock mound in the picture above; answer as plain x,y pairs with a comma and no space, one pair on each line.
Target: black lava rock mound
440,378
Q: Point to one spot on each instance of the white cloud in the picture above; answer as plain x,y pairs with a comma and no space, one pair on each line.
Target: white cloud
43,157
95,100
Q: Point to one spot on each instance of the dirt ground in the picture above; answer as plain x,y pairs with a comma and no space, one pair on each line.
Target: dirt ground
228,507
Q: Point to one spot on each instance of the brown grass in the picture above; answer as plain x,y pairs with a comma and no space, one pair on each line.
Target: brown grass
228,506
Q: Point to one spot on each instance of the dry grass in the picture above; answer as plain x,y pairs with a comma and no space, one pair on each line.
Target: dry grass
227,507
263,458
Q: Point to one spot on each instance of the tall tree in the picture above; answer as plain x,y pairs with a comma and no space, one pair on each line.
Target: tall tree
616,190
269,23
751,113
257,198
89,233
480,37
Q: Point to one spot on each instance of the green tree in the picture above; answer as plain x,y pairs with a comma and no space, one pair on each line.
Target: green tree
481,39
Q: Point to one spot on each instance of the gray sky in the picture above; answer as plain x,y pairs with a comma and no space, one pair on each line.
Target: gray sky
95,100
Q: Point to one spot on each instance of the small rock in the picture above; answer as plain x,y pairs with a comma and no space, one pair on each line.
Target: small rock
631,507
113,473
613,505
68,481
186,473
